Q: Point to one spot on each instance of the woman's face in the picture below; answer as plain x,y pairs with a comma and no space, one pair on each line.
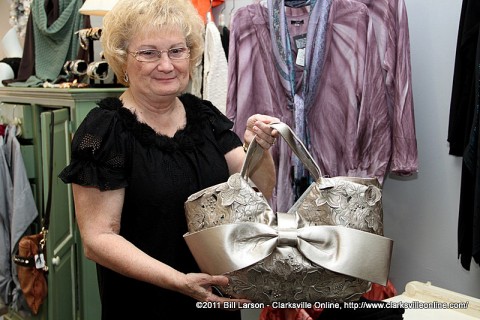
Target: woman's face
164,77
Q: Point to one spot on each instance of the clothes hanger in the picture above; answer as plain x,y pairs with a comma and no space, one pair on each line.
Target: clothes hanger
16,122
10,119
209,12
2,117
221,17
231,11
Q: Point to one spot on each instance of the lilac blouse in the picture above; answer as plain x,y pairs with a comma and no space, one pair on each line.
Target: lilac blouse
353,125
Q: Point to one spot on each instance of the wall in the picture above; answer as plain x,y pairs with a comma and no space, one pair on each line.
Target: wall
421,213
4,22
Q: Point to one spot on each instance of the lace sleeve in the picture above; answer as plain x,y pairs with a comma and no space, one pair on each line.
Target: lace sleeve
99,150
222,128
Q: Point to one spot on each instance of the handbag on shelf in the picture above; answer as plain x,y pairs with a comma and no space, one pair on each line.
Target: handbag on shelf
31,259
328,247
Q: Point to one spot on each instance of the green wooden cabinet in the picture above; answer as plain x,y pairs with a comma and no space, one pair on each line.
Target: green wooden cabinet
72,281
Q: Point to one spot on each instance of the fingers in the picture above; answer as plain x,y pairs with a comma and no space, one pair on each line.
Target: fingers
219,281
258,127
265,136
201,288
257,118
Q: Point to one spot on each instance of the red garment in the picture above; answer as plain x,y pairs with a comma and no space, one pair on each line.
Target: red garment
380,292
377,293
269,313
203,6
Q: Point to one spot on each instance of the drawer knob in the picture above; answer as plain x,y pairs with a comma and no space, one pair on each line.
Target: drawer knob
56,261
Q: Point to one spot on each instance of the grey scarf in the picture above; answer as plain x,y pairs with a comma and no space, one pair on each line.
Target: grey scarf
302,102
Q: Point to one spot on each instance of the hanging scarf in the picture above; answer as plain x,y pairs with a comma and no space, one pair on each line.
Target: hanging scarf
300,103
297,3
56,43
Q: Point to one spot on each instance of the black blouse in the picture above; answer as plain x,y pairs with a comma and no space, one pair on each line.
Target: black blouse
111,149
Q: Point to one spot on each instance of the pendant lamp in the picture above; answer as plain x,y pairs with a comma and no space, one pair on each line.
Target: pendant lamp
97,7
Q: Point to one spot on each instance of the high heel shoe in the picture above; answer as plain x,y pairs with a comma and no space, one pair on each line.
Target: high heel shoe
98,70
76,67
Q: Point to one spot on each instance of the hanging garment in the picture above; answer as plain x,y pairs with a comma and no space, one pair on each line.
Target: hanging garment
390,23
196,80
270,313
299,78
467,81
215,69
59,35
348,122
224,34
377,293
463,89
22,208
6,189
205,6
52,24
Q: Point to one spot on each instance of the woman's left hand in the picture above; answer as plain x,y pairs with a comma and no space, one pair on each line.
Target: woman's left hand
258,128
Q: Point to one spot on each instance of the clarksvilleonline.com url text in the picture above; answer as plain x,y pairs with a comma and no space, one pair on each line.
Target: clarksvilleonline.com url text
335,305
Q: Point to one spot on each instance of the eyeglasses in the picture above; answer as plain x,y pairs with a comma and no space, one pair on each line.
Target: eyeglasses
151,55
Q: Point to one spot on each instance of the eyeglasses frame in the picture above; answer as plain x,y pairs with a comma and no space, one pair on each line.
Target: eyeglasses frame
159,54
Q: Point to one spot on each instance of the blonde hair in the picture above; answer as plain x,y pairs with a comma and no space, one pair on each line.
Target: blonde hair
131,16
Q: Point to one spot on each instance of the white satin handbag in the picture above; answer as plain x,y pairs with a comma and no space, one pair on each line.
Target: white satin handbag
328,247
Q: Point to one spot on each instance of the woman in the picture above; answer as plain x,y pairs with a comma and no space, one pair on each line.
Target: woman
136,159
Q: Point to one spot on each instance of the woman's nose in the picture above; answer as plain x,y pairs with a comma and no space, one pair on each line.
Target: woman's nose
165,63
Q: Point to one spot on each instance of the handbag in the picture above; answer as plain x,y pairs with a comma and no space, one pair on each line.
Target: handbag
328,247
32,268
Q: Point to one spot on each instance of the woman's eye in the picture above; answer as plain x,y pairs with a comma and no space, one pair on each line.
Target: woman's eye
148,53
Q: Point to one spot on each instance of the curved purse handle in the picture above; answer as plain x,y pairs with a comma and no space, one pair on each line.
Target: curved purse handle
254,152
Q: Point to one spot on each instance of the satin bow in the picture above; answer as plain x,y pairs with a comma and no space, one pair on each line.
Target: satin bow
230,247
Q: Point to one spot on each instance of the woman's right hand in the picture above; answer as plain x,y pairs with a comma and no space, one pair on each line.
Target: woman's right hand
199,286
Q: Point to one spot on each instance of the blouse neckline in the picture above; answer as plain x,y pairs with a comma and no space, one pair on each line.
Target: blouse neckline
185,138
